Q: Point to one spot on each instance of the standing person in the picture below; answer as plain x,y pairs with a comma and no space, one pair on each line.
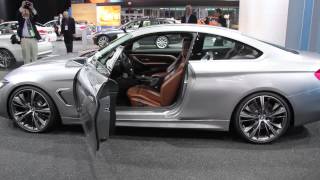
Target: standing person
220,18
27,31
60,17
68,29
189,17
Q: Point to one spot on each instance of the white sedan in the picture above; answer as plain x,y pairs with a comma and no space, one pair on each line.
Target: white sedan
46,33
80,26
11,53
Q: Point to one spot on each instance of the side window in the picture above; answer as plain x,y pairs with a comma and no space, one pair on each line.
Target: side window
213,47
146,23
159,43
134,25
49,24
155,22
166,22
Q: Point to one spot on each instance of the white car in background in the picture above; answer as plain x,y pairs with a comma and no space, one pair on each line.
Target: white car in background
10,25
46,33
12,52
80,27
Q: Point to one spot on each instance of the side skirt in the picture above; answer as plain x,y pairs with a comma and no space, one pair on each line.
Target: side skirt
219,125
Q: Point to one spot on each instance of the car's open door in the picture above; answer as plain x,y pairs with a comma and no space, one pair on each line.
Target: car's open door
95,97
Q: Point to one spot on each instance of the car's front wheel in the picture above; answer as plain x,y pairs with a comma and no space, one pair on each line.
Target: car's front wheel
6,58
262,117
103,41
32,109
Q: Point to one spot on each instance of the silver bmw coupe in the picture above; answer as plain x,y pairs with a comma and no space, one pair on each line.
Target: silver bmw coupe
211,78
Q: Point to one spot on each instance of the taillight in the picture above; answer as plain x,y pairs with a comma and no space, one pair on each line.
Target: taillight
42,31
317,74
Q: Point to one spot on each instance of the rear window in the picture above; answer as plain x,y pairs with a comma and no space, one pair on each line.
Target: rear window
283,48
275,45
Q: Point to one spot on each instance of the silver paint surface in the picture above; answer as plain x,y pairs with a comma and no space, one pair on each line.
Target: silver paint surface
212,89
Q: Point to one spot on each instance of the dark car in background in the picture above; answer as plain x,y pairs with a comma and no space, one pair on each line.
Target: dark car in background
103,38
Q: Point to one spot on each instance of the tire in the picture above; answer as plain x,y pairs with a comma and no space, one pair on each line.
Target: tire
35,116
103,41
6,59
162,42
262,117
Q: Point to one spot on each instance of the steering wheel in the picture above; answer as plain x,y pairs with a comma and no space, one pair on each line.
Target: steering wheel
127,64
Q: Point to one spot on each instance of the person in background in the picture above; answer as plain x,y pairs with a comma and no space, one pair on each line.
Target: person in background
189,17
27,31
220,18
68,29
60,17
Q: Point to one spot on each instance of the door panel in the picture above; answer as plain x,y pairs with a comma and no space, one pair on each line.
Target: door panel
151,63
153,59
95,96
93,105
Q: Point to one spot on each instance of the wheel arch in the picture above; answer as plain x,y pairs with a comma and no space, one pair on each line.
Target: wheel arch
7,49
262,91
106,35
35,86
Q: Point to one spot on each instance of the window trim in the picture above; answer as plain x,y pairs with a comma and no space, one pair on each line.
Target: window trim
260,52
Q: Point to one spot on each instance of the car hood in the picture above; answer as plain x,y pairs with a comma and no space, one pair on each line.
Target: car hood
57,69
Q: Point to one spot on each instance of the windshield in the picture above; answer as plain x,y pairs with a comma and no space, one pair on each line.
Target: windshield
115,43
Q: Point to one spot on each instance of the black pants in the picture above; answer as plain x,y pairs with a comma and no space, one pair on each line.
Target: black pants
68,40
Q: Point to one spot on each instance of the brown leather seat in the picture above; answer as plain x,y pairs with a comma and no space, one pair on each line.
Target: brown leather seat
175,64
146,96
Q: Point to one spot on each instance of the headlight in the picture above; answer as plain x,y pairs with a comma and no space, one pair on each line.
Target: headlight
3,83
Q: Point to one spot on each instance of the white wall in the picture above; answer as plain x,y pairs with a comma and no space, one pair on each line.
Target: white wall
264,19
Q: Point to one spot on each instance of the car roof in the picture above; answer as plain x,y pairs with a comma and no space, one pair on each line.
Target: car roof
152,18
214,30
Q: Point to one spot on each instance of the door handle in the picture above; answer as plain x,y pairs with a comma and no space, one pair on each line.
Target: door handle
145,59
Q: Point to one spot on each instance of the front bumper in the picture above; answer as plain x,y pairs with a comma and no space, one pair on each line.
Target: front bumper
4,96
95,40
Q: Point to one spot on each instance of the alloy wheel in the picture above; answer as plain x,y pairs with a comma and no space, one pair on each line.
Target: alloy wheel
263,118
6,59
31,110
103,41
162,42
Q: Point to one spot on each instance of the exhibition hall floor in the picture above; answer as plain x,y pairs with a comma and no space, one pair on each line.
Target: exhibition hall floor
145,153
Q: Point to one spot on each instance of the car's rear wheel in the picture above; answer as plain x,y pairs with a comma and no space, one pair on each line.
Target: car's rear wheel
103,41
32,109
6,58
162,42
262,117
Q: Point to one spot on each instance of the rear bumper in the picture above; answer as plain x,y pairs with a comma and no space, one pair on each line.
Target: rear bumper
306,107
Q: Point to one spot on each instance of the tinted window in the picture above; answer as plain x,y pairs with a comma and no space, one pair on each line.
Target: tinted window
213,47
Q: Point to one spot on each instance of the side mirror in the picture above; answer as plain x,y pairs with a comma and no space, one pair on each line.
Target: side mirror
124,29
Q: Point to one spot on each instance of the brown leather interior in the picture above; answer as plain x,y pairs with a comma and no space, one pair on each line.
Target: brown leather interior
153,59
146,96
